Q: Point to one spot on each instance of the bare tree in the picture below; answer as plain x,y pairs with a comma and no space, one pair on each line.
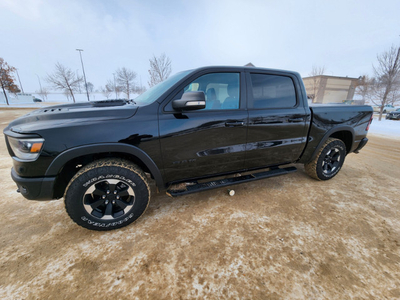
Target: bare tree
107,91
113,87
90,87
64,79
67,94
43,92
315,73
7,79
387,75
160,69
140,89
394,96
125,79
364,87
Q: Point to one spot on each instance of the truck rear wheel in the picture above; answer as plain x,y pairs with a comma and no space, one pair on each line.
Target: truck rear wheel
107,194
328,161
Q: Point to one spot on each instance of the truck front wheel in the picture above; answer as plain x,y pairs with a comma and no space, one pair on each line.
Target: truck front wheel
107,194
328,161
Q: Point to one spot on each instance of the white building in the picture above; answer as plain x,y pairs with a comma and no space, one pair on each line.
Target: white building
330,89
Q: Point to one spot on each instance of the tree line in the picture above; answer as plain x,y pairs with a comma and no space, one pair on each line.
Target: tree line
380,89
123,84
7,79
383,87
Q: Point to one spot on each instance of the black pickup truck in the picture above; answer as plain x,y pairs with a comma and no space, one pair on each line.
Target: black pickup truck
235,123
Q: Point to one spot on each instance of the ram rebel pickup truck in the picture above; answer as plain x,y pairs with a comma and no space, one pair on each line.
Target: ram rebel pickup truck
186,133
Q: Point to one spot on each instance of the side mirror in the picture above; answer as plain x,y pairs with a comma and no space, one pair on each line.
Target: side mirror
190,101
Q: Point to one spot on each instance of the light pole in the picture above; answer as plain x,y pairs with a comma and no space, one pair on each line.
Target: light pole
84,76
40,84
20,81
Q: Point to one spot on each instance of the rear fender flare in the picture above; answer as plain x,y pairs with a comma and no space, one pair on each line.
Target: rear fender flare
57,164
328,134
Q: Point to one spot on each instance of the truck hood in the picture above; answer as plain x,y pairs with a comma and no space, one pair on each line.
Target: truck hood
71,114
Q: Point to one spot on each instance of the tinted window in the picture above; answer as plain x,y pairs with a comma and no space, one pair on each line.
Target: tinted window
222,90
272,91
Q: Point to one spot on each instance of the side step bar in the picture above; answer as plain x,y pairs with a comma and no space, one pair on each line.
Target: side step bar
194,187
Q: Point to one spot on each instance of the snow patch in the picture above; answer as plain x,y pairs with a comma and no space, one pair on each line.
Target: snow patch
390,128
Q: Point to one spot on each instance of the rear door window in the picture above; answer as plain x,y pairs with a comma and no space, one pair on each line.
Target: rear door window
272,91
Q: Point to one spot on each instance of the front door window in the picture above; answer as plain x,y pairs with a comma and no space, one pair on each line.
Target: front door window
222,90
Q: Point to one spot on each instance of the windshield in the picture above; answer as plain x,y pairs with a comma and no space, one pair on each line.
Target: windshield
156,91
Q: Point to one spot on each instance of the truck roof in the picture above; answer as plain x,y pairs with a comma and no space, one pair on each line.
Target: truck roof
247,68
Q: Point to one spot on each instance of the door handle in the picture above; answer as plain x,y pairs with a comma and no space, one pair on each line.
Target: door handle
296,120
234,123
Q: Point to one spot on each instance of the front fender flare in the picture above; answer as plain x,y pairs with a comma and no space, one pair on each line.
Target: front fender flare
57,164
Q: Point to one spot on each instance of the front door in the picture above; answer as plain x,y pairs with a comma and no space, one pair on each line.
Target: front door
209,141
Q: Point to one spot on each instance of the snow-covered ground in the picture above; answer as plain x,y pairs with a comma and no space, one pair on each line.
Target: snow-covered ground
389,128
52,98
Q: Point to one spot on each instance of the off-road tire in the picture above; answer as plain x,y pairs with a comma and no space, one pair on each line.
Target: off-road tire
107,194
319,168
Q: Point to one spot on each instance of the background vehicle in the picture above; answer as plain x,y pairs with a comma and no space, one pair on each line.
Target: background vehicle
195,126
394,115
386,108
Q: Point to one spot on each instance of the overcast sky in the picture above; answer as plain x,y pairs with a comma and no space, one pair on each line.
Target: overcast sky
343,36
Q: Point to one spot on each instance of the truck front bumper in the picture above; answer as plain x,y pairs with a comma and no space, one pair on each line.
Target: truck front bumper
38,188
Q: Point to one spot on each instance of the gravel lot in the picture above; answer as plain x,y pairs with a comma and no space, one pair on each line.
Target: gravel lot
287,237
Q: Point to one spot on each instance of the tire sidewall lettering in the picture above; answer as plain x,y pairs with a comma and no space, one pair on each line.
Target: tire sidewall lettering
340,147
109,176
106,225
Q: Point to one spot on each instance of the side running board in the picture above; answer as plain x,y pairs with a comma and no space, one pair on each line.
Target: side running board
194,186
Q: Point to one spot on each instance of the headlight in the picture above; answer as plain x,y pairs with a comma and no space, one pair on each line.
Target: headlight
26,149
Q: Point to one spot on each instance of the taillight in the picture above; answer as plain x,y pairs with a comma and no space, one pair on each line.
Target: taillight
369,123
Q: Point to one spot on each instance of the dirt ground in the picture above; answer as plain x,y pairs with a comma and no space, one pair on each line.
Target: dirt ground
288,237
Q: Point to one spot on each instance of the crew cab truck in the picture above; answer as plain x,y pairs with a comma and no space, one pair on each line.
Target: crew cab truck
195,126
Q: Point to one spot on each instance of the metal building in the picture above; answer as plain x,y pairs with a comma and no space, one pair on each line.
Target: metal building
330,89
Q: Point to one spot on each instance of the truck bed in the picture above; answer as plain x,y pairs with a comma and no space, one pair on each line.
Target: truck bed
348,122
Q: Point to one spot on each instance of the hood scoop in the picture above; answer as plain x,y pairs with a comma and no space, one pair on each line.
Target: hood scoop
108,103
48,110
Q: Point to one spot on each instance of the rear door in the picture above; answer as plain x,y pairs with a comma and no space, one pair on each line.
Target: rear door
209,141
277,130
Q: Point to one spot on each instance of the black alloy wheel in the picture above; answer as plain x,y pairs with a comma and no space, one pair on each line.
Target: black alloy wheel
109,199
107,194
331,161
328,161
